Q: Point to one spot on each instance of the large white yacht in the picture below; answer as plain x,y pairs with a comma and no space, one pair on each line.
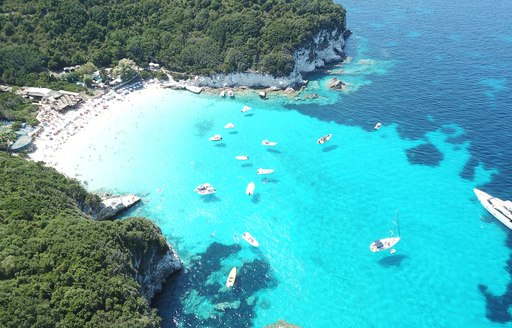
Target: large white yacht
500,209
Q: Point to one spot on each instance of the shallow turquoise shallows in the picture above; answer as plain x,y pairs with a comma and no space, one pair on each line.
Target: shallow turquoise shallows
438,80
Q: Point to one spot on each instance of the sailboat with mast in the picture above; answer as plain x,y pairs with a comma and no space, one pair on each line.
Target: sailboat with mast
387,243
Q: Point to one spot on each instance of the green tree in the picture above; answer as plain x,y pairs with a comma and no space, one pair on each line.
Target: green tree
126,69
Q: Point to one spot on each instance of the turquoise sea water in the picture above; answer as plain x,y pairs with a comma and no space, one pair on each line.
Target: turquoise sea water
438,77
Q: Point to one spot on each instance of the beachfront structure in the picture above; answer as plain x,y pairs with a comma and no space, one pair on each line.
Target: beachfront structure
71,68
21,144
57,100
154,66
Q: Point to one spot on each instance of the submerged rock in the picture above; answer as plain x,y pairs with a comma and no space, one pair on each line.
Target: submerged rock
336,84
281,324
226,305
311,96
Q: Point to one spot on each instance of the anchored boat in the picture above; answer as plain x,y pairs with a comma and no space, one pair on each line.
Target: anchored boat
324,139
265,171
250,188
231,278
268,143
500,209
205,189
216,137
386,243
250,239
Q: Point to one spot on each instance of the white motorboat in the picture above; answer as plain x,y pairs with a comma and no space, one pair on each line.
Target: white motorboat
250,188
205,189
500,209
262,94
223,94
377,126
250,239
324,139
245,109
265,171
386,243
231,278
268,143
229,126
216,137
231,94
242,157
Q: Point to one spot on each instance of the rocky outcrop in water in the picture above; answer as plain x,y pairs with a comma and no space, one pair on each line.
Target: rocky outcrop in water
110,206
336,84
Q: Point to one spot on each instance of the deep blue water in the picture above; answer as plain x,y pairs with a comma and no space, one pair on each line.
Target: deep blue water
437,75
452,65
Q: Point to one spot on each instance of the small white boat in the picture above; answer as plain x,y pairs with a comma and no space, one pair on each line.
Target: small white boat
229,126
245,109
265,171
216,137
263,94
205,189
250,188
500,209
242,157
386,243
377,126
268,143
250,239
231,94
223,94
324,139
231,278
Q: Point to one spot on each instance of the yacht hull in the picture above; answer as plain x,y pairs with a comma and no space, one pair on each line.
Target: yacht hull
496,207
384,243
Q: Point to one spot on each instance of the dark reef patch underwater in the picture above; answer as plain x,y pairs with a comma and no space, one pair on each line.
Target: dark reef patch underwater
425,154
498,307
234,307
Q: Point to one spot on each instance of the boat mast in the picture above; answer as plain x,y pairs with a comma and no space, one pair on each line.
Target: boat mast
397,222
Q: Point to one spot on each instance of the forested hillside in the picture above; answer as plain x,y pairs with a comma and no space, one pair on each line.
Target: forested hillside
57,267
194,36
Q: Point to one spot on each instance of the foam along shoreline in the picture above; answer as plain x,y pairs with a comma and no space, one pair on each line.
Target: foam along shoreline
61,130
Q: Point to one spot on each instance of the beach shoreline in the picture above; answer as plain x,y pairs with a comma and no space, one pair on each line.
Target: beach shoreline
58,137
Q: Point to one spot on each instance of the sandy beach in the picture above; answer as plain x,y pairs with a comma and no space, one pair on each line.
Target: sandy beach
65,134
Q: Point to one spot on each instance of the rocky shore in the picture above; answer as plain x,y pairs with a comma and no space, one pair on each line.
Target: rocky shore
325,48
152,268
110,206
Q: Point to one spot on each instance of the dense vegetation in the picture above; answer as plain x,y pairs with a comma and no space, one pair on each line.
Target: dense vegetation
194,36
16,108
57,267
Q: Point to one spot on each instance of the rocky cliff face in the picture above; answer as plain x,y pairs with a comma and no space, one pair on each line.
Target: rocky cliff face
248,79
153,267
326,47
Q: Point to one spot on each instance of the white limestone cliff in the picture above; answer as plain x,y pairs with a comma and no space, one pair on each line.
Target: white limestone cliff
326,47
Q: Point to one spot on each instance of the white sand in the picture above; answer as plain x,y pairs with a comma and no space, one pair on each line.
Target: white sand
64,135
